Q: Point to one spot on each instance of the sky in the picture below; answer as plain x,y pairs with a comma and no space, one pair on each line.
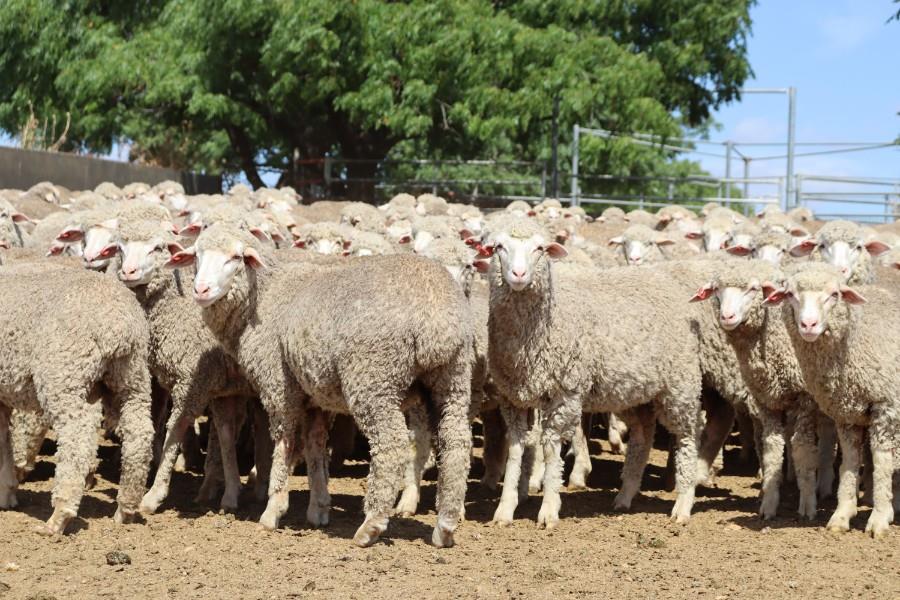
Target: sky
841,56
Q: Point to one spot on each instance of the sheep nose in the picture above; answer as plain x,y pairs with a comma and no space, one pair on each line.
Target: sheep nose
129,270
728,317
809,323
519,274
201,289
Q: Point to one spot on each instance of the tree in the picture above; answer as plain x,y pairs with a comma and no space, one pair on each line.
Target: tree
242,85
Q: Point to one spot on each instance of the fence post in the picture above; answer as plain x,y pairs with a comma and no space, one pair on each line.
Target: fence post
573,200
729,146
544,181
327,176
555,149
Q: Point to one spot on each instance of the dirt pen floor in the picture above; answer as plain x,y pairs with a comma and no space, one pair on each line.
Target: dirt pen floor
188,551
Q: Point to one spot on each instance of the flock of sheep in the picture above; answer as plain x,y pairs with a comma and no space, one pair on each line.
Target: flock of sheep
141,309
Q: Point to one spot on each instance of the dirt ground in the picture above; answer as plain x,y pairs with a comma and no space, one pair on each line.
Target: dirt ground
189,551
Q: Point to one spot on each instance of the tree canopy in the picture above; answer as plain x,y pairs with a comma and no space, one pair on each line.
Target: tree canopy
240,85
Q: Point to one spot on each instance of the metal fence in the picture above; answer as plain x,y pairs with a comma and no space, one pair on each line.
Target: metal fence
867,199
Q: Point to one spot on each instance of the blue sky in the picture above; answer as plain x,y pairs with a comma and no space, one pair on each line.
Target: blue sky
841,55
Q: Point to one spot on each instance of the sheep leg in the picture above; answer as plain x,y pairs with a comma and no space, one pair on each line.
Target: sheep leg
641,428
516,430
262,452
27,430
494,454
881,443
420,448
8,481
315,450
536,458
850,439
719,422
684,424
616,431
803,448
582,467
175,428
452,396
773,443
213,470
226,418
283,426
747,433
827,452
559,422
868,477
379,417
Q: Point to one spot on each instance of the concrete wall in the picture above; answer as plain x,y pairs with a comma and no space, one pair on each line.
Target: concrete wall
21,169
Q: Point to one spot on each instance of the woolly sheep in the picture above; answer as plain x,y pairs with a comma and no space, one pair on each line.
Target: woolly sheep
542,357
801,214
365,243
363,217
771,246
848,355
841,244
68,373
324,238
640,244
306,355
430,205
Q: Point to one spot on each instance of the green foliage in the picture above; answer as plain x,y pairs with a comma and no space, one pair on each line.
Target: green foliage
231,85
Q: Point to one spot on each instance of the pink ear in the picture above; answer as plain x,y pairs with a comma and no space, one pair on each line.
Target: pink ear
804,248
277,236
768,288
472,241
259,234
485,251
109,251
775,298
70,234
55,249
738,250
703,293
346,244
663,219
299,244
531,213
851,296
174,248
405,239
664,242
694,235
181,259
4,244
798,231
192,230
896,265
18,217
877,248
616,241
556,251
482,266
252,259
465,234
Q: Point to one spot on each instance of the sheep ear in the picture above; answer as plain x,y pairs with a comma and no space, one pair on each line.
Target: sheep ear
616,241
694,235
556,251
299,244
18,217
70,234
775,298
531,213
252,259
704,292
192,230
851,296
346,244
276,236
465,234
485,251
804,248
877,247
56,249
169,226
109,251
896,264
259,234
405,239
663,241
738,250
663,219
768,288
182,259
174,248
482,266
798,231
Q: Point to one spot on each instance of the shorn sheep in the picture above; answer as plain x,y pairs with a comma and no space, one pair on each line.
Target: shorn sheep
847,342
340,339
88,339
568,340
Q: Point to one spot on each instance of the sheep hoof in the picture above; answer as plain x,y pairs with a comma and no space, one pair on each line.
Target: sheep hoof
534,488
838,524
407,505
268,521
368,533
227,508
807,509
681,519
123,516
150,502
57,522
878,525
8,499
317,516
621,504
442,536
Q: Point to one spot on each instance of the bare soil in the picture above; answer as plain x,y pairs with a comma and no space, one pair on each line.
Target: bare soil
190,551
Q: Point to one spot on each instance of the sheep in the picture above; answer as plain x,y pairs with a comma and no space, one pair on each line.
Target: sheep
715,231
771,373
612,214
771,246
326,349
324,238
801,214
429,205
185,358
639,244
427,229
363,217
109,190
848,355
93,339
519,208
642,217
841,243
541,357
365,243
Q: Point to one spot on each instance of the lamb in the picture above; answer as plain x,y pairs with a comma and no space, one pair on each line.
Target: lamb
541,357
363,217
848,355
640,244
68,374
842,244
185,358
771,246
345,342
325,238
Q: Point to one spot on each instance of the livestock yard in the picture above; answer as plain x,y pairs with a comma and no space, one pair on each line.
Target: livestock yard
252,358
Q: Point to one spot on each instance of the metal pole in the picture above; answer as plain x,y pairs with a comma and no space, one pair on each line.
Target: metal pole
746,177
729,146
574,195
790,201
555,143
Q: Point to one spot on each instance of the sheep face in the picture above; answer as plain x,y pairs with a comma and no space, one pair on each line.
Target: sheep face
812,305
734,302
843,254
217,267
519,257
140,260
770,253
100,245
